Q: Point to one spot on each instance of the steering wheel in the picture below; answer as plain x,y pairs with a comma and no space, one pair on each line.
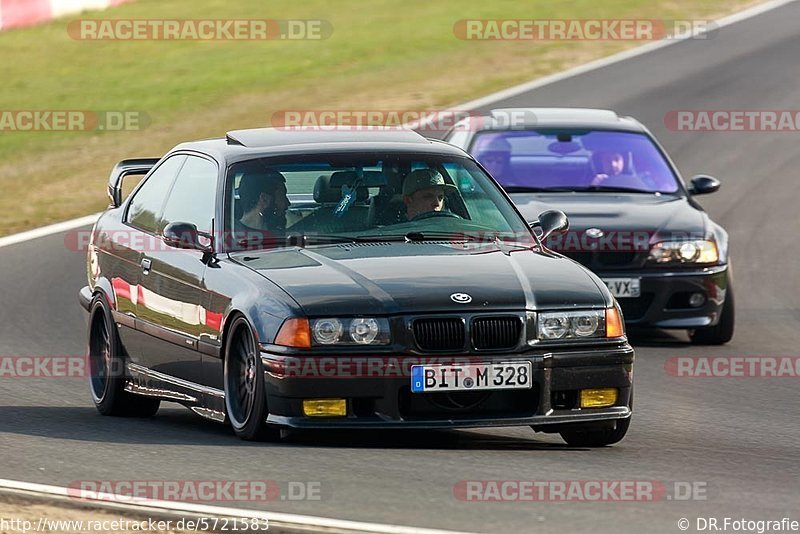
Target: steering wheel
432,214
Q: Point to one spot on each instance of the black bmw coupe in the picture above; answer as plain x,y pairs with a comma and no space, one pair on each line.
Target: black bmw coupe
633,220
278,279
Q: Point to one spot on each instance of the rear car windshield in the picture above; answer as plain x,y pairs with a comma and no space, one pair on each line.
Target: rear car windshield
574,160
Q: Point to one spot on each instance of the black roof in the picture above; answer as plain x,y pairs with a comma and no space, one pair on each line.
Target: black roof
543,118
273,137
264,142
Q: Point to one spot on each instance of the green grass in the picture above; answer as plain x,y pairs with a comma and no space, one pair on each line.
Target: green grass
384,54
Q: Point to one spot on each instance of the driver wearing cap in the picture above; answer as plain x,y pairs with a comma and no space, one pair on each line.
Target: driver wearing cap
424,192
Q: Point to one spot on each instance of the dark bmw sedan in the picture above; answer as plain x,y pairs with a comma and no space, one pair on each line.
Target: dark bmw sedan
364,279
633,220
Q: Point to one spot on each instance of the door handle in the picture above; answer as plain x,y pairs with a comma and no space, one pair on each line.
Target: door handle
146,263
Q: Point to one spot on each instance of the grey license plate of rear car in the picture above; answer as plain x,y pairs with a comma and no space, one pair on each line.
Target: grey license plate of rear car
624,287
470,377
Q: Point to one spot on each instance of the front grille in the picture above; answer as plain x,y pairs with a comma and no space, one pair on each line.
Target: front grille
439,334
495,333
466,405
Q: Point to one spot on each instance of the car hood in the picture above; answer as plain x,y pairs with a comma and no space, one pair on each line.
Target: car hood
400,278
660,217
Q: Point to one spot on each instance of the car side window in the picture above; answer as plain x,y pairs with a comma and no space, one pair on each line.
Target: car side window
193,196
145,207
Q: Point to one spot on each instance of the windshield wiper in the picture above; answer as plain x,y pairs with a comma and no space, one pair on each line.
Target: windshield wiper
434,235
531,189
612,189
292,240
326,239
487,237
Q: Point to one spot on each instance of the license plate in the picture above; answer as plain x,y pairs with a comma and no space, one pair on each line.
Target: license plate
470,377
624,287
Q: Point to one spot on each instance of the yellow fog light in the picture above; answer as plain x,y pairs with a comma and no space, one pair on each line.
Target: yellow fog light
325,407
599,398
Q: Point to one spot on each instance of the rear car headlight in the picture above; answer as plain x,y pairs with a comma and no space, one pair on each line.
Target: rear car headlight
698,251
356,331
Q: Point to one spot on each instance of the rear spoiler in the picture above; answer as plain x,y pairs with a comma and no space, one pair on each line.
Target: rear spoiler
127,167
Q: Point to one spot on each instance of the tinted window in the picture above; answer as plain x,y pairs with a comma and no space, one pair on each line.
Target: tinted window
574,160
145,207
192,197
364,195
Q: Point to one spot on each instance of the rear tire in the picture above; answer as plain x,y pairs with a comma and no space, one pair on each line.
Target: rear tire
600,438
723,331
107,368
245,392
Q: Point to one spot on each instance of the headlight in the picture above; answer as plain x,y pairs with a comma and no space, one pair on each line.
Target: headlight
572,325
327,331
698,251
357,331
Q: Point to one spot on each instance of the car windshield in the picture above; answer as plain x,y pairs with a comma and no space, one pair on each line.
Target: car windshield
574,160
308,200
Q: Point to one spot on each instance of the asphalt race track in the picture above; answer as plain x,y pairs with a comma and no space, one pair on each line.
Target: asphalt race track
735,437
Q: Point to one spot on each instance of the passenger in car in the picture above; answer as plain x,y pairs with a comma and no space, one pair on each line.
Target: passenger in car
424,192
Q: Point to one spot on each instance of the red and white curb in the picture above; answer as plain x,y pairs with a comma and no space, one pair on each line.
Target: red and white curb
277,521
19,13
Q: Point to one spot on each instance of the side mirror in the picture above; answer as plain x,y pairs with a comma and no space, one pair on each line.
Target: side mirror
552,221
184,235
703,184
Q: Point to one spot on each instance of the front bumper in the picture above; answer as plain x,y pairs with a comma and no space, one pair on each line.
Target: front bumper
85,297
383,399
664,297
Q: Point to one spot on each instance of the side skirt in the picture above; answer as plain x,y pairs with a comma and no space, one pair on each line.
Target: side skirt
203,400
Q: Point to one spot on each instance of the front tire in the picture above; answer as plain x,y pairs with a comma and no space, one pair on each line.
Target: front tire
107,368
723,331
245,392
599,438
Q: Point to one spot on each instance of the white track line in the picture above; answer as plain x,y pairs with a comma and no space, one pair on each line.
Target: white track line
616,58
275,519
48,230
480,102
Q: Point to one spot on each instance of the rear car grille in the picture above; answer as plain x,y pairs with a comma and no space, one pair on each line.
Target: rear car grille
439,334
635,308
609,259
495,333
